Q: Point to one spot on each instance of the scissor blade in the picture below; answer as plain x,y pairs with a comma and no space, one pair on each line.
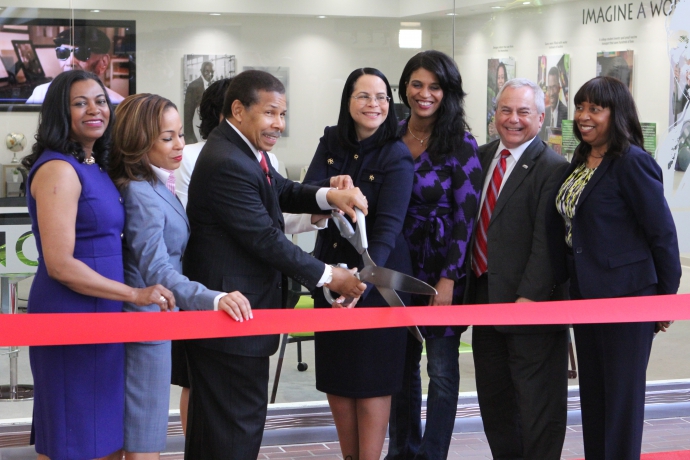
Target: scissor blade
387,278
393,299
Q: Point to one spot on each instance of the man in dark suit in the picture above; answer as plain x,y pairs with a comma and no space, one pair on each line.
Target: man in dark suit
557,110
521,371
192,98
237,244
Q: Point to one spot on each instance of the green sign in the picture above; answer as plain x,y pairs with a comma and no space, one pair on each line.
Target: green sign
569,139
649,133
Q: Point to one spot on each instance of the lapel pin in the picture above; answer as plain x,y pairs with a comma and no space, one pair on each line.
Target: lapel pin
525,166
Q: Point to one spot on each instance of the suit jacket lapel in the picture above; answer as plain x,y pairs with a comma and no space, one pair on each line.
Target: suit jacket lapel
235,138
172,200
598,174
518,174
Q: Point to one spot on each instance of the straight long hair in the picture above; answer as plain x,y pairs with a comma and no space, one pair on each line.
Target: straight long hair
624,126
346,125
136,130
448,133
55,122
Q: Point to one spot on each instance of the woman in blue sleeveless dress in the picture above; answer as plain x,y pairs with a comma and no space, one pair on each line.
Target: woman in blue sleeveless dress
77,218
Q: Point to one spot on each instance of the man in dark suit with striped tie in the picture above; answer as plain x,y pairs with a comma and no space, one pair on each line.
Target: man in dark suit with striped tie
521,371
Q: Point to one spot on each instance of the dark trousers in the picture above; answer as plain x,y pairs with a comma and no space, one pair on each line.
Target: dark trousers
405,426
612,360
522,388
227,405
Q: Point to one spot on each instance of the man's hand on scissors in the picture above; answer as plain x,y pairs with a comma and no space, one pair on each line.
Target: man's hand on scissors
346,201
345,283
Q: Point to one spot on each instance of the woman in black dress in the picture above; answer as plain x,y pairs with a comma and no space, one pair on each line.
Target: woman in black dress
360,370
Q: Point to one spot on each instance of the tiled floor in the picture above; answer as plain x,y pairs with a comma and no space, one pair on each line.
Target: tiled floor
660,435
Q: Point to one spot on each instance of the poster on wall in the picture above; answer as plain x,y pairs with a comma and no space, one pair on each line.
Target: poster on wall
673,152
35,51
553,76
499,71
200,70
282,74
618,64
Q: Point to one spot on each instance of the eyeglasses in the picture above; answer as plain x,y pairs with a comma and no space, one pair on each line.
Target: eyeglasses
81,53
362,99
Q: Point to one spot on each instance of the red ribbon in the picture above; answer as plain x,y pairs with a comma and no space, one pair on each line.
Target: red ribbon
81,328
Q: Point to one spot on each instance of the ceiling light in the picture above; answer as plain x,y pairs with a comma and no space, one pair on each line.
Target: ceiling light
451,14
321,17
496,7
526,3
95,11
214,14
410,38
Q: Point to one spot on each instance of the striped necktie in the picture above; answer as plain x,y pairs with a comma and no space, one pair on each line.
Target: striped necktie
479,253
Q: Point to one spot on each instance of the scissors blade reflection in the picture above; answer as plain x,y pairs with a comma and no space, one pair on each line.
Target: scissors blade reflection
385,277
393,300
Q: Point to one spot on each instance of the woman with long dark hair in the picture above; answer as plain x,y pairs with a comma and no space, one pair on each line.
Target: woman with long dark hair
77,218
438,228
611,234
360,370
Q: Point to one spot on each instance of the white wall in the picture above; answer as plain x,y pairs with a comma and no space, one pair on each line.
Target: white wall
528,31
321,52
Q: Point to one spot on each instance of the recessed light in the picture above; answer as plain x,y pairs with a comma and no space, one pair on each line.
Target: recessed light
451,14
214,14
496,7
95,11
526,3
321,17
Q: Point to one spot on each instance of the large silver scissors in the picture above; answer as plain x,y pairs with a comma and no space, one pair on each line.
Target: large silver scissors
387,281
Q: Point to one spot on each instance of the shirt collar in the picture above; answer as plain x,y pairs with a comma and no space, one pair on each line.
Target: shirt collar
246,141
517,152
161,174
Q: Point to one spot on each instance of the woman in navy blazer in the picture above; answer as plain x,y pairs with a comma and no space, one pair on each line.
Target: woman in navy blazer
612,234
360,370
147,148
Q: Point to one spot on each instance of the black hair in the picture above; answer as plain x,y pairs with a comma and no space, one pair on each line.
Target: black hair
245,88
554,71
211,106
505,74
55,119
624,126
448,133
346,125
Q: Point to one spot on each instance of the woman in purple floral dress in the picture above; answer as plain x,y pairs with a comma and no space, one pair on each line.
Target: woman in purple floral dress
438,228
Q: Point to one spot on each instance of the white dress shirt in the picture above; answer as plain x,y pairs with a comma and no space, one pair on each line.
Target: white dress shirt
511,161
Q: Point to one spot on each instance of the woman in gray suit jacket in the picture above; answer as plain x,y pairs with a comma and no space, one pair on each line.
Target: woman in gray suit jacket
148,143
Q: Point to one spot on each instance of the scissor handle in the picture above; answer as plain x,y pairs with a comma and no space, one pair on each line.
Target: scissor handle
342,224
356,237
327,292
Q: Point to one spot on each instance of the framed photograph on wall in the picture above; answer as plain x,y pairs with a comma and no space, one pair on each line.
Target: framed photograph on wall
282,74
27,57
618,64
553,76
200,70
35,51
499,71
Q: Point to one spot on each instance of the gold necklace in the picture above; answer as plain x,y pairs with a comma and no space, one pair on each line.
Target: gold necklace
421,141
